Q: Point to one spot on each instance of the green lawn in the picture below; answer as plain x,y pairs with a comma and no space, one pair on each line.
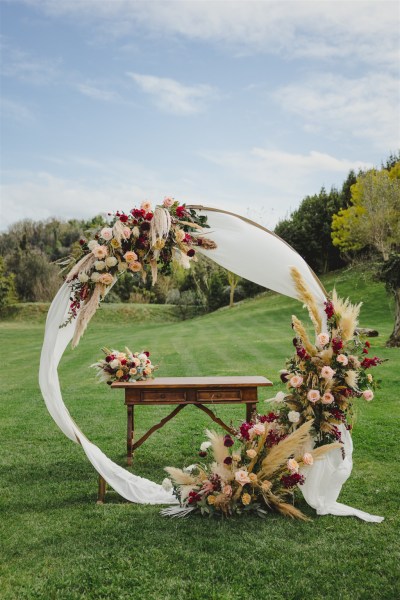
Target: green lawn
57,543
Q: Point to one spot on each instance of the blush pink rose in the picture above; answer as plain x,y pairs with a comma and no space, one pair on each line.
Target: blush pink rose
259,429
342,359
296,381
126,232
327,372
106,233
251,453
168,202
242,477
135,266
323,339
368,395
327,398
146,206
292,465
308,459
313,396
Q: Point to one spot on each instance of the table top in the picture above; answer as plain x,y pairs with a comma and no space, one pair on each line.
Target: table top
195,382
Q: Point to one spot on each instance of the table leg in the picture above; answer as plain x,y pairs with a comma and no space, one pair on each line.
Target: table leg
101,495
250,410
130,433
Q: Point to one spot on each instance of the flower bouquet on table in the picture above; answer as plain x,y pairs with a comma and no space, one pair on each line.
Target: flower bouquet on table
324,377
144,240
254,471
124,366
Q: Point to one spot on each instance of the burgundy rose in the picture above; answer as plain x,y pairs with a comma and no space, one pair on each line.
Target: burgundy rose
193,497
228,441
123,218
365,351
337,345
285,375
202,453
190,252
149,216
123,361
180,211
146,352
145,226
228,460
82,242
329,309
295,341
269,418
367,343
244,430
108,358
290,481
137,213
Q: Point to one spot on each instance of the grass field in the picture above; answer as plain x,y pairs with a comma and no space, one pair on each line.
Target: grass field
56,543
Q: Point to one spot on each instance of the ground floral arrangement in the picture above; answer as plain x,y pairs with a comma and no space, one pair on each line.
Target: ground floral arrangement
254,471
124,366
143,241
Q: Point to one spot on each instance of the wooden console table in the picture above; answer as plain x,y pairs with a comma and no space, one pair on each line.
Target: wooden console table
181,392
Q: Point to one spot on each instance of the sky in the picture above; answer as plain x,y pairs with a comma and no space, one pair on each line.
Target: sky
247,106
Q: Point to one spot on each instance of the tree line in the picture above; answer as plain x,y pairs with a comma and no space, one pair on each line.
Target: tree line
329,230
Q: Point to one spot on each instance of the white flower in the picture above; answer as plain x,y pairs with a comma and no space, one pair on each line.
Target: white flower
122,267
135,232
204,446
106,233
167,484
111,261
190,468
83,277
142,357
114,364
92,244
95,277
99,265
294,416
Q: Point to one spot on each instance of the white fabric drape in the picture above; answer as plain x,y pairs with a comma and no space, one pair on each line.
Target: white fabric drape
251,252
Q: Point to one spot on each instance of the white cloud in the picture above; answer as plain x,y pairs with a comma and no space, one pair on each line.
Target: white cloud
97,93
363,108
21,65
363,30
172,96
16,111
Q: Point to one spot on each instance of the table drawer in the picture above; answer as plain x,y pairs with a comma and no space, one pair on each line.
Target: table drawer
163,396
218,395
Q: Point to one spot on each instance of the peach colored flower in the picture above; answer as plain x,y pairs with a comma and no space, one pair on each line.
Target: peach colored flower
211,499
135,267
242,477
327,373
106,279
130,256
266,485
132,371
126,232
259,429
368,395
251,453
119,373
179,234
147,371
292,465
308,458
207,486
323,339
236,457
227,490
296,381
253,478
106,233
313,396
246,499
100,251
146,206
342,359
168,202
327,398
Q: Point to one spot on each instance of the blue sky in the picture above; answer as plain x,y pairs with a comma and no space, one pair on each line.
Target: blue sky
246,106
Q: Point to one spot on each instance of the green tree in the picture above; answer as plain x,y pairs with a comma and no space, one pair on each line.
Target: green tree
373,222
7,286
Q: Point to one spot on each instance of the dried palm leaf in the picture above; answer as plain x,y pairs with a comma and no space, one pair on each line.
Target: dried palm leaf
307,298
280,453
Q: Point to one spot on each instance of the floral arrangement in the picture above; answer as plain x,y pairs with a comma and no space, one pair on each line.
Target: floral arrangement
254,470
324,377
141,241
124,366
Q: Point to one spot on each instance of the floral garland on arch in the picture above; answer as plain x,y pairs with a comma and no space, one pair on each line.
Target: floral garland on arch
324,377
251,472
143,240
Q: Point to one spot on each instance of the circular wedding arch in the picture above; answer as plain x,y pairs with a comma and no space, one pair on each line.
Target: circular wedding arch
250,251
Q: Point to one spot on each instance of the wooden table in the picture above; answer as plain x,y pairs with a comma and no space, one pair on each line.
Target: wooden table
181,392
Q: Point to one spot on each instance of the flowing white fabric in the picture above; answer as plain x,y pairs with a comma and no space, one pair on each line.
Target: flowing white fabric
252,252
